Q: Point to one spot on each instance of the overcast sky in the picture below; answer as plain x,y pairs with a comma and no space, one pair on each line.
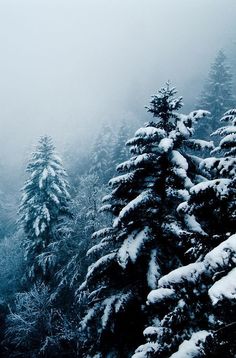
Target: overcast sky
67,65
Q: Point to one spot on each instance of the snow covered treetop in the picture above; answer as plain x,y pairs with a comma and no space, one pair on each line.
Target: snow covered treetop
164,103
45,193
43,150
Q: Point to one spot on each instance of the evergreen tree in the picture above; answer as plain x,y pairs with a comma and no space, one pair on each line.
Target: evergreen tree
120,152
193,307
101,156
216,96
130,256
86,219
43,208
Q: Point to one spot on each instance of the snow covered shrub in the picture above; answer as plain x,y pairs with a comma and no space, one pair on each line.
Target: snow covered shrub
36,328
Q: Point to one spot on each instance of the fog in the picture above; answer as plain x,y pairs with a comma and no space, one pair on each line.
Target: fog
68,65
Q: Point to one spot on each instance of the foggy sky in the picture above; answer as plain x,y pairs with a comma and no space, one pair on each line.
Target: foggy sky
68,65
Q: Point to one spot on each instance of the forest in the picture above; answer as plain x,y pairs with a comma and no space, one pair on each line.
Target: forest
132,251
121,241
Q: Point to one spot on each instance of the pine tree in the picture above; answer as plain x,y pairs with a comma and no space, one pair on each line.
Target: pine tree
43,208
193,307
101,156
216,96
120,152
86,219
130,256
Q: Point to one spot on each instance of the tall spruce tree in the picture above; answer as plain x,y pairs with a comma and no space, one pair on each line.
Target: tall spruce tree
130,256
43,208
193,308
216,96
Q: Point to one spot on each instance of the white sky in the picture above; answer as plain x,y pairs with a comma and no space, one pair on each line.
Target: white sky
67,65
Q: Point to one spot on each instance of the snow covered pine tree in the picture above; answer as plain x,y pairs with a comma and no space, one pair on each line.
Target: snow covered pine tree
216,96
130,256
44,205
120,152
101,156
194,306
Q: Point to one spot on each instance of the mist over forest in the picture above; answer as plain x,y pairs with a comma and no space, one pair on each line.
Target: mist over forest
117,178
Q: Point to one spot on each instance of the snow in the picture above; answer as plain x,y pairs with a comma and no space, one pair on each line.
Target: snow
96,248
36,226
137,161
43,178
179,160
46,213
225,130
102,232
103,208
159,295
225,288
192,223
199,144
51,171
220,256
153,273
90,314
109,303
224,167
191,348
141,199
121,179
190,272
228,140
165,145
54,198
199,114
151,331
184,131
220,186
150,132
131,247
145,350
103,261
229,116
107,197
122,301
147,134
56,158
56,187
173,228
